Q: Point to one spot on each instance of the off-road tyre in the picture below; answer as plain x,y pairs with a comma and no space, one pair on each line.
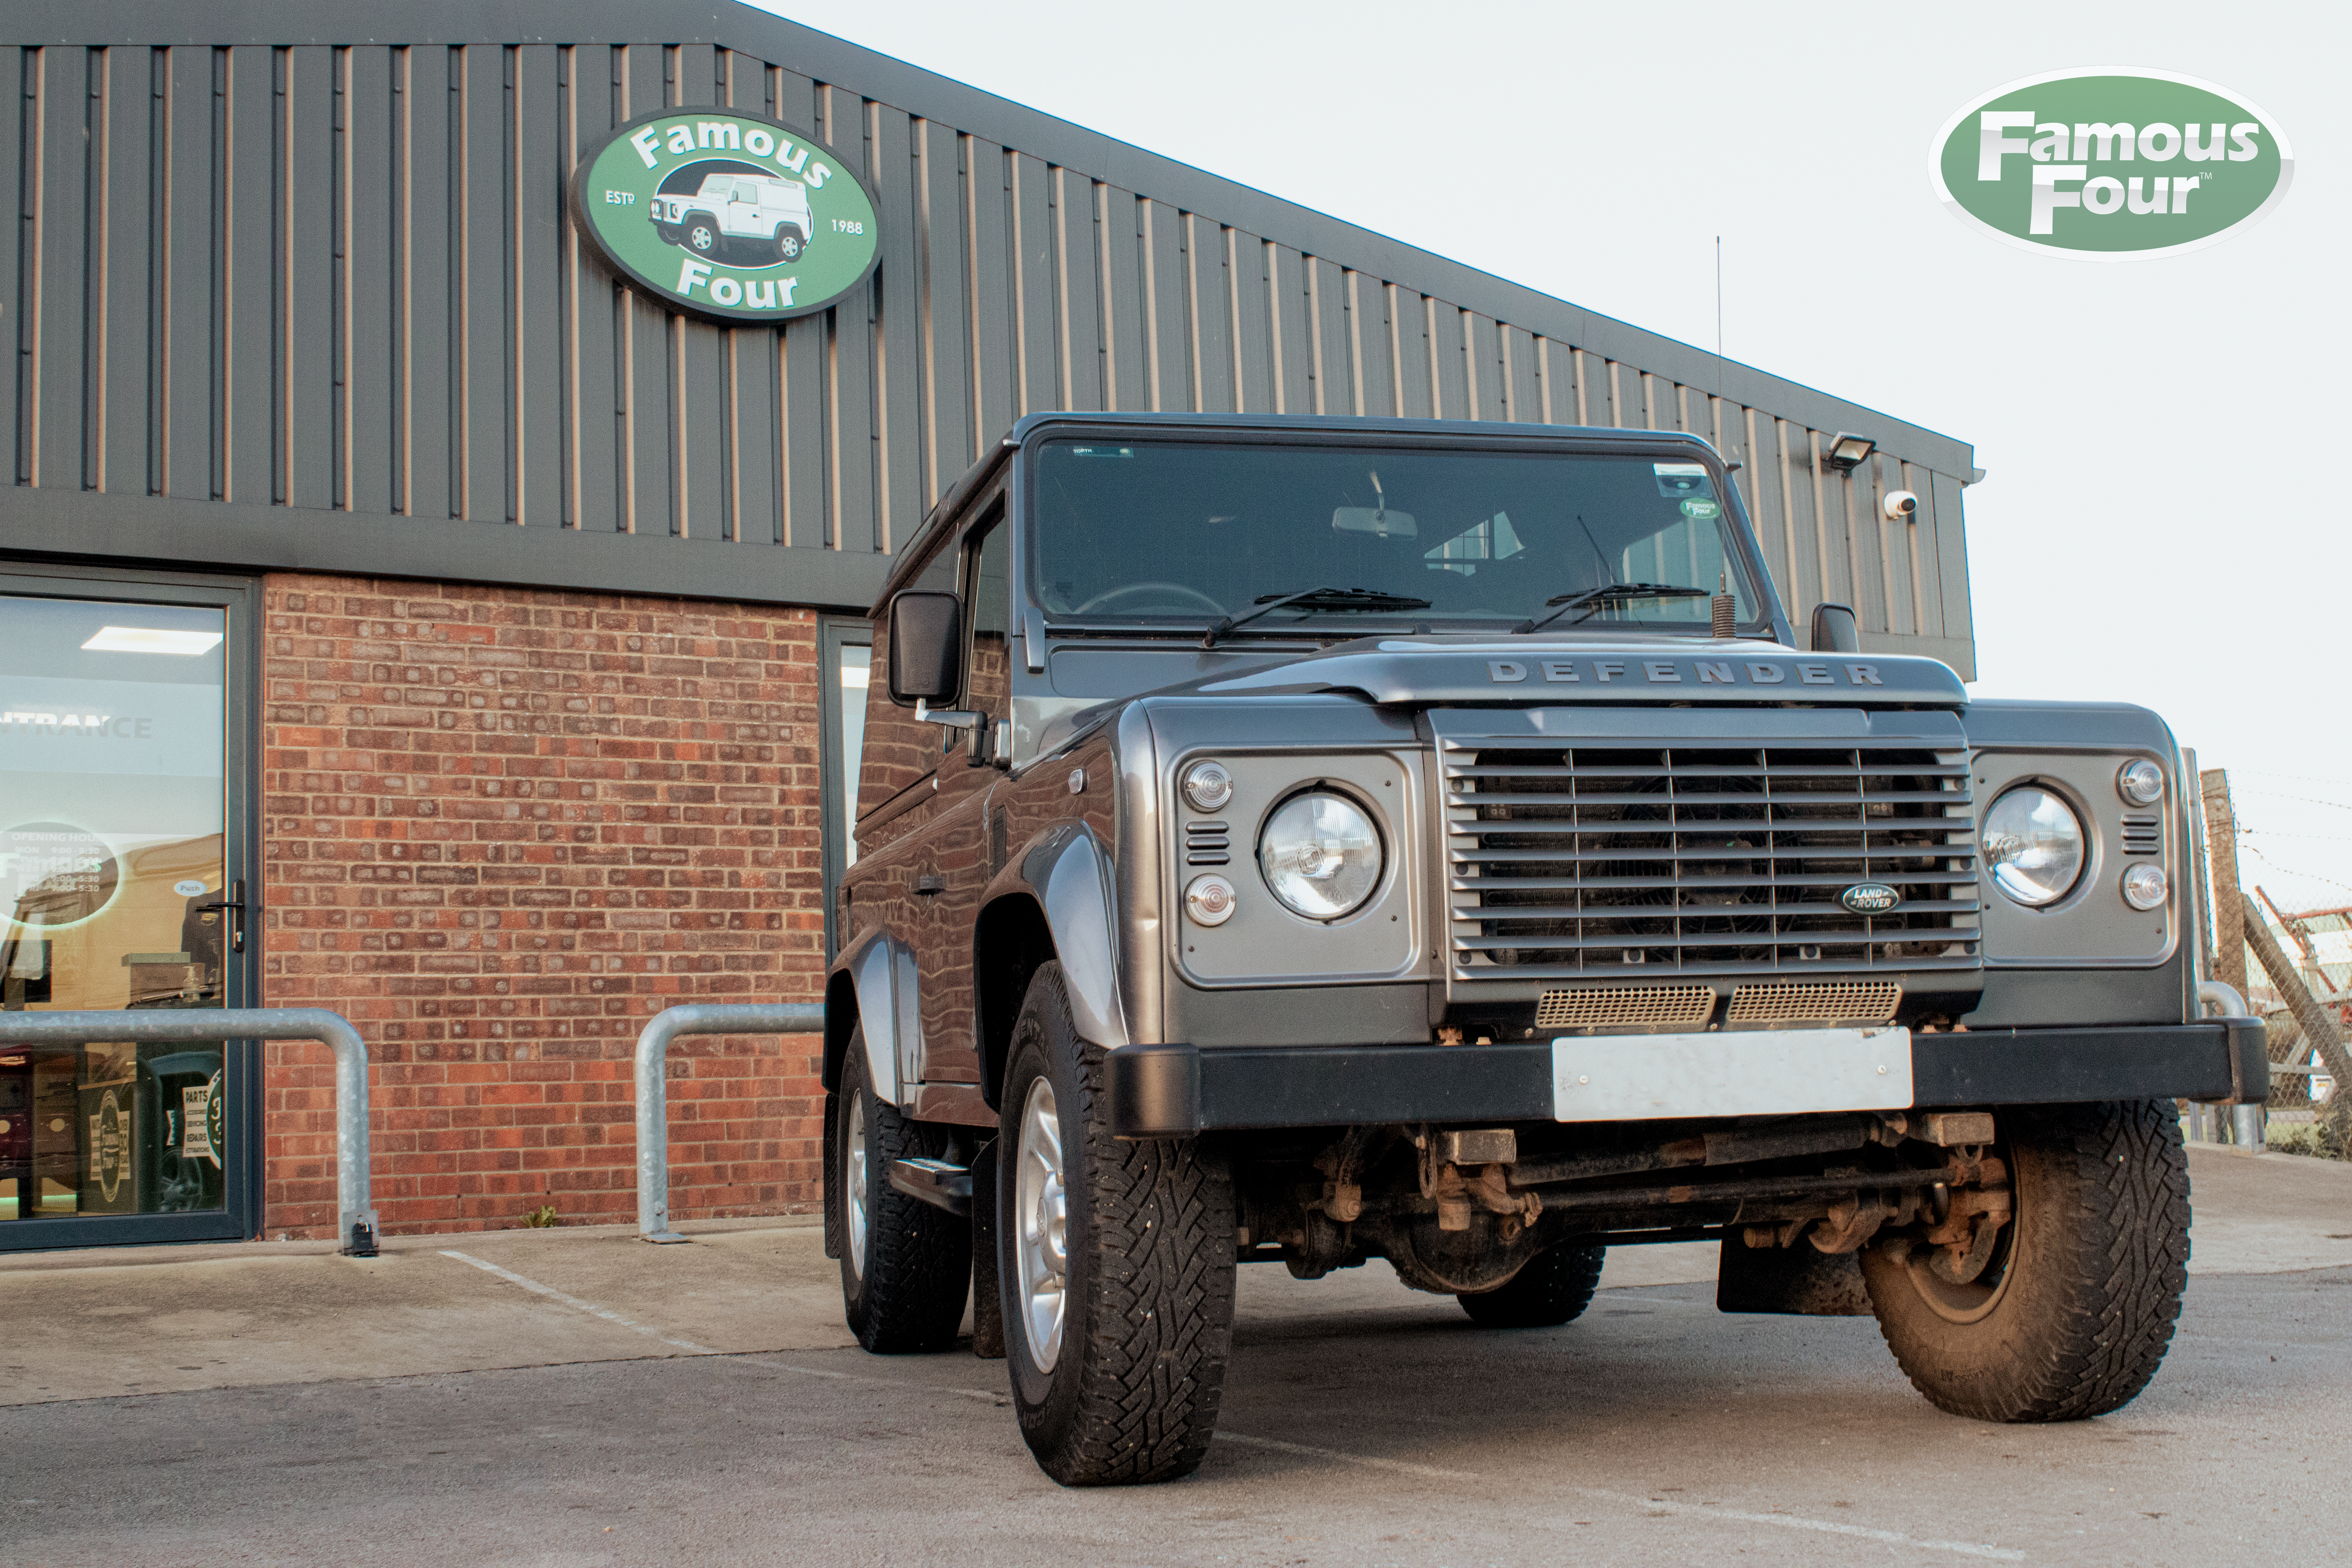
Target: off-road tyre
1554,1288
1149,1307
702,237
907,1293
789,243
2090,1275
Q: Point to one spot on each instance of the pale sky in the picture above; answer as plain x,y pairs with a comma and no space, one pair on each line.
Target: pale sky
2158,525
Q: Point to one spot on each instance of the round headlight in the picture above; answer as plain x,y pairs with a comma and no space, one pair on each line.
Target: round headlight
2144,885
2033,846
1321,854
2140,782
1208,786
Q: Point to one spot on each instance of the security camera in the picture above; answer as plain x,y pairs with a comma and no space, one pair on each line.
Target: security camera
1900,506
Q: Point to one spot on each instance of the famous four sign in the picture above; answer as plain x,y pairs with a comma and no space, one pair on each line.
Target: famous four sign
727,216
2111,165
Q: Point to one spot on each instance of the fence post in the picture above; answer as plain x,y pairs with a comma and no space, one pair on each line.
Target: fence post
2318,1026
2229,902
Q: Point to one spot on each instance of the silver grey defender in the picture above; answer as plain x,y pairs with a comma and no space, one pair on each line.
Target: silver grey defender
1311,840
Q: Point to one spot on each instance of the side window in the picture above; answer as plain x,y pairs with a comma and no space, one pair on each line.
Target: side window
988,607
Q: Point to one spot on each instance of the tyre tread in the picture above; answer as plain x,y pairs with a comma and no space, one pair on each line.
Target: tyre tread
2120,1278
1554,1288
1154,1338
918,1257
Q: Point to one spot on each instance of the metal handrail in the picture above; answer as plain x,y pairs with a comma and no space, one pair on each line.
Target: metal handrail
2249,1124
2222,998
653,1086
355,1222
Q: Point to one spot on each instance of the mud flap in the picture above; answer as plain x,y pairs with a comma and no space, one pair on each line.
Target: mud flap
834,1234
1801,1280
987,1305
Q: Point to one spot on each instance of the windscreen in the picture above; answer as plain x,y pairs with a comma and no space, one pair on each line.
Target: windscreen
1183,532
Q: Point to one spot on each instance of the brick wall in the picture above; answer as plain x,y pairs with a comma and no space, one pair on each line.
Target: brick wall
500,829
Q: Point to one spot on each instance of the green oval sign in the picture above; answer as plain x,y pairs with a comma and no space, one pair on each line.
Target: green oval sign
727,216
2114,164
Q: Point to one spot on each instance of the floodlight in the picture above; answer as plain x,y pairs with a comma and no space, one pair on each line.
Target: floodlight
1849,451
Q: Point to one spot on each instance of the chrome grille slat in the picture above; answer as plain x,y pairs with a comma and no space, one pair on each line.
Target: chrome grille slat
1813,800
1831,936
1696,911
1803,879
1568,857
1710,854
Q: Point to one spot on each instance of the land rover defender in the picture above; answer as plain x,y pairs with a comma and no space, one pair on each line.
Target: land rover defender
757,218
1303,841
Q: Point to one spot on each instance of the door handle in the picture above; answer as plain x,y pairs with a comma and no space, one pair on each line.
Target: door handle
929,885
233,905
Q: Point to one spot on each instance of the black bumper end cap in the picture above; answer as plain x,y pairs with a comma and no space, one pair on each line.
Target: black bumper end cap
1155,1090
2250,1060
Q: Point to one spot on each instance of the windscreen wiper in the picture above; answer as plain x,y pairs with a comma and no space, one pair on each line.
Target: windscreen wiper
1612,594
1314,599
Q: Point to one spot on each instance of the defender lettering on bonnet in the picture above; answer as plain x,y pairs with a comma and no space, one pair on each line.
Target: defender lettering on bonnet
1671,672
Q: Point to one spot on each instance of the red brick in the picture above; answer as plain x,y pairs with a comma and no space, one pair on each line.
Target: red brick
503,828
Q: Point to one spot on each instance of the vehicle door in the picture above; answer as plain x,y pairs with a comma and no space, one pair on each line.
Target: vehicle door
897,804
742,214
958,870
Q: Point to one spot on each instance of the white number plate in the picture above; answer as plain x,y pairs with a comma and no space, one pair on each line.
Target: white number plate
1759,1072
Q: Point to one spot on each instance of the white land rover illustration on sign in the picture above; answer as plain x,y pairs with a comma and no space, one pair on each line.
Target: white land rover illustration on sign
759,218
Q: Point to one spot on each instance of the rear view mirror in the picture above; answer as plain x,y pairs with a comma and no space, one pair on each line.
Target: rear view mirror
1373,520
926,647
1835,630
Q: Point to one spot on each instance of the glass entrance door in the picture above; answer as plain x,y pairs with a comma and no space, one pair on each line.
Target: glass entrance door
119,894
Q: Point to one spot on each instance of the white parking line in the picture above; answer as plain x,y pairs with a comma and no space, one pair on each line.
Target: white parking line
1696,1510
552,1294
1797,1521
1364,1461
1367,1461
993,1396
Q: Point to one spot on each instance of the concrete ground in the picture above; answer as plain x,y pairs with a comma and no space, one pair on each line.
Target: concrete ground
576,1397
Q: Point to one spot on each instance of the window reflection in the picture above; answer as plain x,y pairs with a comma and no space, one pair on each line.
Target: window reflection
856,668
112,871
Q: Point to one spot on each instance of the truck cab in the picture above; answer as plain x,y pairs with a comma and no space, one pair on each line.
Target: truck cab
1306,842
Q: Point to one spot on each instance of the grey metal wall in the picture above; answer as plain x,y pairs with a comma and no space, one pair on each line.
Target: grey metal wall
286,293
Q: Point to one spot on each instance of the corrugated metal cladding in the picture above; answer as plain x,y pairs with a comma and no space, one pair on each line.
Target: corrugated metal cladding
321,291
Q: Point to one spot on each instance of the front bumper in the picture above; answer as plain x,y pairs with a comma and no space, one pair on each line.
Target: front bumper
1173,1091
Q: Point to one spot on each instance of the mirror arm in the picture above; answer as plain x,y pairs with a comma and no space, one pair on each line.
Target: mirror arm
953,718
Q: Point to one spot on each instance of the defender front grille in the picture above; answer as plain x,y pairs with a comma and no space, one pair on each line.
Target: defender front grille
1719,858
1626,1007
1794,1002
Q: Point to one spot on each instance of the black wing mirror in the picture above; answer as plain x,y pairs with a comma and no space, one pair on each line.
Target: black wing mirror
926,647
1835,630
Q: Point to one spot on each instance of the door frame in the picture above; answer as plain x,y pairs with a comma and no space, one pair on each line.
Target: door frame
240,1218
837,803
